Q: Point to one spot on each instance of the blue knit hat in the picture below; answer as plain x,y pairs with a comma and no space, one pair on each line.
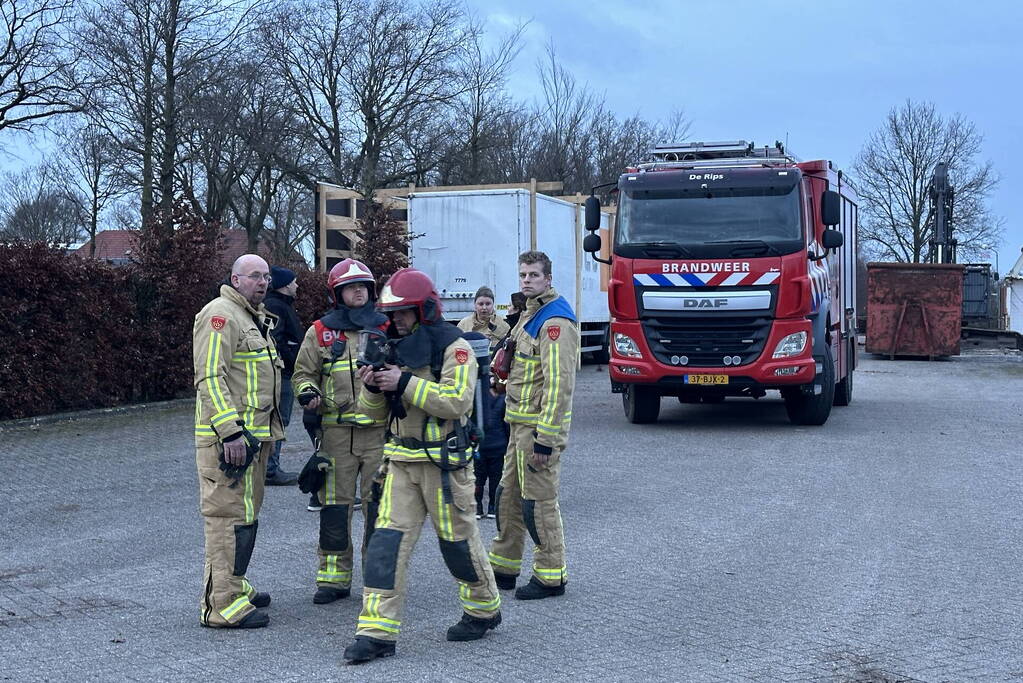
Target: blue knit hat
281,277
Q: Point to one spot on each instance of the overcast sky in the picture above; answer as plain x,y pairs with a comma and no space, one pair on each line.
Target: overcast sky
823,72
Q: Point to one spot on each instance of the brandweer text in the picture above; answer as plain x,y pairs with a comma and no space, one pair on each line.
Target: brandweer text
727,267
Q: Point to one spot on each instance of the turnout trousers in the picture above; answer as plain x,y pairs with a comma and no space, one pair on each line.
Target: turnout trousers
411,491
354,455
230,520
527,502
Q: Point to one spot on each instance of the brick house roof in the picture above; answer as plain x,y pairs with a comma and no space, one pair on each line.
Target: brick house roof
119,245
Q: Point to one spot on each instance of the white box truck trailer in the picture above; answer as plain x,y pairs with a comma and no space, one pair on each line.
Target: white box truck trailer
466,239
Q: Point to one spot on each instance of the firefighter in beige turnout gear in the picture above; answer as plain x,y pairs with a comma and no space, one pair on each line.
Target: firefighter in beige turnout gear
540,383
325,381
426,395
238,384
484,320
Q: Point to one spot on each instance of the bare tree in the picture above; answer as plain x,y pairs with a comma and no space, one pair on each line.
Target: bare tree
86,172
401,73
892,174
565,117
34,209
291,222
478,111
151,57
310,60
38,79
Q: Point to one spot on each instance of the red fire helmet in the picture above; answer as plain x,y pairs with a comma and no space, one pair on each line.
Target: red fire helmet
411,288
347,272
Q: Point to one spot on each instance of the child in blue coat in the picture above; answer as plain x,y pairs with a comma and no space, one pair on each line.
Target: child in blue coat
490,458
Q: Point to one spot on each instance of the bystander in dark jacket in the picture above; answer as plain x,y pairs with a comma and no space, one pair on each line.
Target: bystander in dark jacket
288,334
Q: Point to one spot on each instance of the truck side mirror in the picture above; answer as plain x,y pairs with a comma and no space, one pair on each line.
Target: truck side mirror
832,239
591,243
592,215
831,208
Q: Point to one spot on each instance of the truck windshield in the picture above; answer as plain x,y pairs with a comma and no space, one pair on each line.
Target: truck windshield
710,223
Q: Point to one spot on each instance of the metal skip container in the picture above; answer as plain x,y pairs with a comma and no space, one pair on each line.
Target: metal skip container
914,309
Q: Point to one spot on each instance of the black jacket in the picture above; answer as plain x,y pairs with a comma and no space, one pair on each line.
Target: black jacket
288,333
495,429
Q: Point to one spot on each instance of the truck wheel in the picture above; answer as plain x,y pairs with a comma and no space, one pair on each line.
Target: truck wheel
844,389
641,404
813,409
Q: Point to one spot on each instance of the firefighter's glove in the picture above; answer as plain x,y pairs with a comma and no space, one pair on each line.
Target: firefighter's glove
314,474
252,446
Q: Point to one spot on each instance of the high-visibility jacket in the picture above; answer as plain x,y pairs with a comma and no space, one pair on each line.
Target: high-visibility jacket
237,371
334,376
542,375
495,329
433,406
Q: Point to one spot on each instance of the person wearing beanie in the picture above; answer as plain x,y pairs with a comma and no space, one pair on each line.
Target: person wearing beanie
287,333
484,320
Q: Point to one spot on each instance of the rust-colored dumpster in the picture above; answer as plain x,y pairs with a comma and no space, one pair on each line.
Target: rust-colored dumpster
914,309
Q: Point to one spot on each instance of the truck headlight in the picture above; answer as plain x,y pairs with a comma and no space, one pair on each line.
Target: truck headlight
626,346
792,345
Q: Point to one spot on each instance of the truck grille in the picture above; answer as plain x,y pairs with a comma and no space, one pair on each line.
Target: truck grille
706,340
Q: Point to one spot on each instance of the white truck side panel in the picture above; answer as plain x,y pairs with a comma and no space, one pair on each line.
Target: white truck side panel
471,238
462,240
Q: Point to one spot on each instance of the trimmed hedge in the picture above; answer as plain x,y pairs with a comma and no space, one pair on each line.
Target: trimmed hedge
83,334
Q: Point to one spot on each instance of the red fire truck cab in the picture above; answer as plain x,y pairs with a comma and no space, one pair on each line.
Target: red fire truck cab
732,273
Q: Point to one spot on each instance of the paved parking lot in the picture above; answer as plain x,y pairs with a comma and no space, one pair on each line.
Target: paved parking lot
720,544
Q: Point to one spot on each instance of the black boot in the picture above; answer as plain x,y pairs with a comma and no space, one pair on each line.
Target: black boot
326,594
472,628
260,600
365,649
257,618
534,590
505,582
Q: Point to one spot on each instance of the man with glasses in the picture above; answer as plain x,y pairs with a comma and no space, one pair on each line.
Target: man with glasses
237,422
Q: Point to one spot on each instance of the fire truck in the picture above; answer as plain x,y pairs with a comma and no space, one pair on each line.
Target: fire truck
732,273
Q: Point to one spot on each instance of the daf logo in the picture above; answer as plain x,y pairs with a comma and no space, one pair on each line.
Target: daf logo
704,303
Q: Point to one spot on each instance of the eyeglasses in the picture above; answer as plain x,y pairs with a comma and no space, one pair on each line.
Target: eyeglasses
265,277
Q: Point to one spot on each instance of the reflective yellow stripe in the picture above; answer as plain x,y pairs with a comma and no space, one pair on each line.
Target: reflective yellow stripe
251,386
330,489
465,595
527,384
235,607
212,376
419,395
520,469
251,356
443,517
553,377
560,573
372,618
399,451
204,431
384,511
521,417
250,511
505,562
332,574
229,415
371,400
